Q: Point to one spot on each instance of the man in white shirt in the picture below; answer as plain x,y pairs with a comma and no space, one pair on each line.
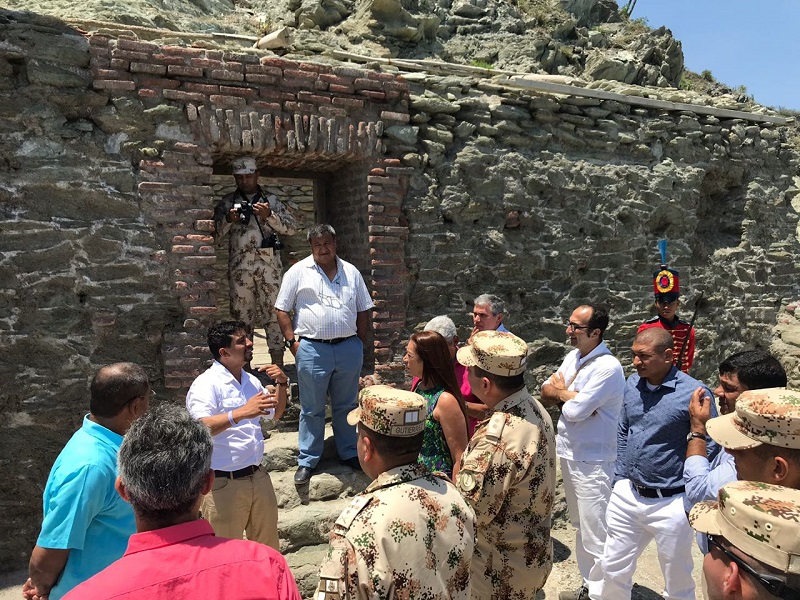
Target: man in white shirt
330,302
589,386
230,402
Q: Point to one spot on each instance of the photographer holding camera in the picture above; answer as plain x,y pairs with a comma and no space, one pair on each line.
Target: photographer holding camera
252,219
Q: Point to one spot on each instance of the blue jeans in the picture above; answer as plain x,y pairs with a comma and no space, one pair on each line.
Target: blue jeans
322,370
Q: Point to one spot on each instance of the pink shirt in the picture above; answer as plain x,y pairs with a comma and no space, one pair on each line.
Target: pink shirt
188,561
466,392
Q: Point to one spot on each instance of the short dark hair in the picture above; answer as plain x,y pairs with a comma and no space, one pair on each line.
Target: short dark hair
766,452
164,463
393,446
599,318
757,369
503,383
114,386
221,335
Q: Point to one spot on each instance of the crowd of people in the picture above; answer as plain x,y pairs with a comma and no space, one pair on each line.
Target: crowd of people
154,502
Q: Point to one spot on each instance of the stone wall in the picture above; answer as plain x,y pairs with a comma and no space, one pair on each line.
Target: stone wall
595,185
440,188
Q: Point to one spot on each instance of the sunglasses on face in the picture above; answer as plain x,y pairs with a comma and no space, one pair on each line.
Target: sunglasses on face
774,584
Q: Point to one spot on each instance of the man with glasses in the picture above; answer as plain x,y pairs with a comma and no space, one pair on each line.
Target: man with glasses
667,291
647,499
86,524
589,387
330,302
230,402
754,542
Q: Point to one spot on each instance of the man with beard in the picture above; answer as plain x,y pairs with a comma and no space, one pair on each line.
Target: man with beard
231,401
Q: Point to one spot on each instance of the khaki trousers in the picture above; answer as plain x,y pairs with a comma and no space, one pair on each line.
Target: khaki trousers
247,504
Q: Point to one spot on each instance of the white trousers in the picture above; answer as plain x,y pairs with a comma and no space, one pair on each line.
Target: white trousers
587,488
632,522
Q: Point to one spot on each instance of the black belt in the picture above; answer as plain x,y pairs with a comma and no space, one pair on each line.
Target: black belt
646,492
246,472
333,341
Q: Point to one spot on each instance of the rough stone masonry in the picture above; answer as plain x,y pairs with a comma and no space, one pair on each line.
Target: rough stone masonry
110,146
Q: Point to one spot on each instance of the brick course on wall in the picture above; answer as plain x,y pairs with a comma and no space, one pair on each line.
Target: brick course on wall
300,116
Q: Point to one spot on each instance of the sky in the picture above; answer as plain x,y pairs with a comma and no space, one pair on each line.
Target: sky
742,42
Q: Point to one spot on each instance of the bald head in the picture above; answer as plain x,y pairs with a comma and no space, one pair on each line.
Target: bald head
652,354
656,338
114,386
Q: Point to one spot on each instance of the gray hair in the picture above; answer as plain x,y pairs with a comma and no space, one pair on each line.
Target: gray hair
319,230
495,304
444,326
164,461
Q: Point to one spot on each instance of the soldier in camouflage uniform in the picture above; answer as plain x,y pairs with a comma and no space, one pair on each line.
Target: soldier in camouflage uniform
254,268
763,435
508,472
410,534
754,541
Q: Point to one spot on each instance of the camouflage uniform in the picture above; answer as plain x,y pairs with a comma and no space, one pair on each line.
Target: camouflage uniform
254,273
410,534
508,476
761,520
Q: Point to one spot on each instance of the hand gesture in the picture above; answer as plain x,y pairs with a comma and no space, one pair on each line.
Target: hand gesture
274,372
30,592
699,410
258,405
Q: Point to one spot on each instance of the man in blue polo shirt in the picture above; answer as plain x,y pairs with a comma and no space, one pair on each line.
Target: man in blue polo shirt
86,524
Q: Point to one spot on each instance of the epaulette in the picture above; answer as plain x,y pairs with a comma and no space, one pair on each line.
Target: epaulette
494,430
350,513
653,320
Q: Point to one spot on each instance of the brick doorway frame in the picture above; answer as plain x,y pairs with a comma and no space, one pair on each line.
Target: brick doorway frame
291,116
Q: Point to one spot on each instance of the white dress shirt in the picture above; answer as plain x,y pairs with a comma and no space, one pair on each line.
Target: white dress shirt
587,429
324,309
215,392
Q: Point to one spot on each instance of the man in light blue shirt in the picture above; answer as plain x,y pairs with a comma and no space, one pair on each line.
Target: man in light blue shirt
86,524
748,370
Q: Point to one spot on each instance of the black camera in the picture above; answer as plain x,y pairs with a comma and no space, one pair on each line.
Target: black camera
272,241
244,210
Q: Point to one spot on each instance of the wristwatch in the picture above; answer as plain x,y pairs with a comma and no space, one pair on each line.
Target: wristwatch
693,435
289,343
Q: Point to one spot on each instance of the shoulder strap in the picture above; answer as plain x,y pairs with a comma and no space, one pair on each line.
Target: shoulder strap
349,514
495,427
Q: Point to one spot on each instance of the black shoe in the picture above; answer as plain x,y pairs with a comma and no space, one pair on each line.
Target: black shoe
582,593
303,475
352,463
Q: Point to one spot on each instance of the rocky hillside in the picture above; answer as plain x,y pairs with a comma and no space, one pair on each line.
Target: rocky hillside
585,39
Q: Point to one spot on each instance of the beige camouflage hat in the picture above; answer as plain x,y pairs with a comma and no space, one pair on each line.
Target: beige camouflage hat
390,411
497,352
760,519
244,165
768,416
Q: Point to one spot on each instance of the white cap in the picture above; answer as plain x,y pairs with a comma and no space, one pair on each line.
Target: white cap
244,165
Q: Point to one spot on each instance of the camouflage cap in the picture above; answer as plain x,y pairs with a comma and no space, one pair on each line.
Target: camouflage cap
767,416
244,165
497,352
760,519
390,411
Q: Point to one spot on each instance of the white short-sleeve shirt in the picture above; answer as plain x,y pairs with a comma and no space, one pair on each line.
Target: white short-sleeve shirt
324,309
216,392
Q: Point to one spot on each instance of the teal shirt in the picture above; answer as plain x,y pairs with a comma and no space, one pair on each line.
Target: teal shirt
435,453
83,513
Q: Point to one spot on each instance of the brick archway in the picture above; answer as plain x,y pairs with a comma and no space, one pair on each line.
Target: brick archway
291,116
